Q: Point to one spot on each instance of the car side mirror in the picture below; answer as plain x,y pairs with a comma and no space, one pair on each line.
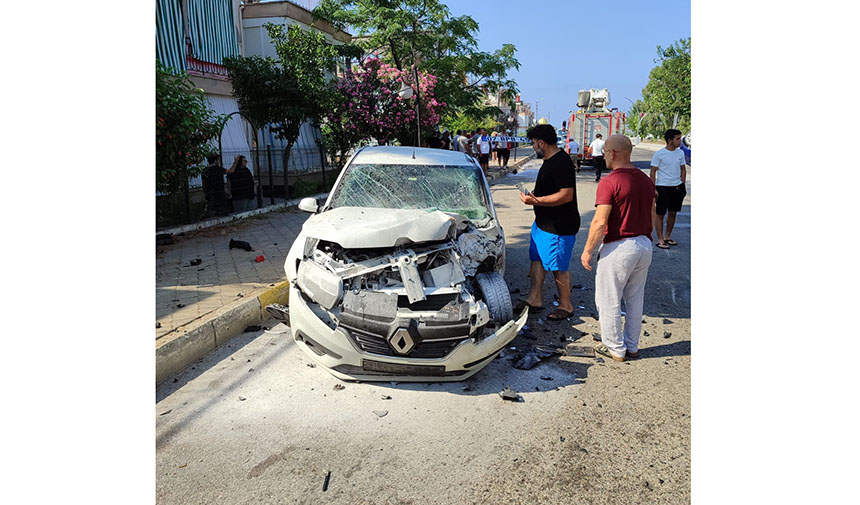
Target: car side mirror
309,205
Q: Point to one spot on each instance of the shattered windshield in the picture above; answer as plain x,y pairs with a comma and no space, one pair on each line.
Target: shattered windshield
453,189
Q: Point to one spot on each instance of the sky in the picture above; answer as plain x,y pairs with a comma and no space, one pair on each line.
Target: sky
565,46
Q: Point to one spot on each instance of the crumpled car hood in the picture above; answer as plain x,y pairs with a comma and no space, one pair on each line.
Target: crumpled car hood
364,227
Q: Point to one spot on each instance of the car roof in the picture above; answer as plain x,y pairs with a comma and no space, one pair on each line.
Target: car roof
404,155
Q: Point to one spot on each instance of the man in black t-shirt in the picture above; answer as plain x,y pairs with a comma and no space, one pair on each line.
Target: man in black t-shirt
556,221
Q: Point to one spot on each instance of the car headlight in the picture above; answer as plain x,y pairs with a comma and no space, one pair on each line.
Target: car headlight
319,284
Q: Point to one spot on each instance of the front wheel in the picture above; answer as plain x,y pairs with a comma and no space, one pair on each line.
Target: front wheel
497,296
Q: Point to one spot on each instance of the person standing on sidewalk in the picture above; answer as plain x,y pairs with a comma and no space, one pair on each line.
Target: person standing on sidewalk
503,151
241,184
213,187
482,149
669,174
463,143
622,221
597,156
556,222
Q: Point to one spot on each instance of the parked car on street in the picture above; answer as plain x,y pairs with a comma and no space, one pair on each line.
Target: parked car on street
399,274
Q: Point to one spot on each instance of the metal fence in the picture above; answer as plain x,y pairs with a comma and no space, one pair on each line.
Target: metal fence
273,182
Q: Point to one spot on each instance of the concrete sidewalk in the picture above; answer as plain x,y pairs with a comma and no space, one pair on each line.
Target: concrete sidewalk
201,306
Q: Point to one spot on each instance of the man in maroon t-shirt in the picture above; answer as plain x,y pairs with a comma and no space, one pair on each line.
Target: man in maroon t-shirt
622,220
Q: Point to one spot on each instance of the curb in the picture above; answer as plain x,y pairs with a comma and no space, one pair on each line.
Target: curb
496,174
192,341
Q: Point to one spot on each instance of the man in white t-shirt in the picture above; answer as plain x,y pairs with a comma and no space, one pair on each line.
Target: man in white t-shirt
669,174
597,156
481,143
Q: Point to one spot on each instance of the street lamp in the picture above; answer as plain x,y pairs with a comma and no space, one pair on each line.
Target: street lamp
406,92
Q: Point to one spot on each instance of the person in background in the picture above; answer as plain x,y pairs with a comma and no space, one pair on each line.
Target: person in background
669,174
622,221
446,140
463,142
573,150
433,141
503,150
481,146
241,185
597,156
213,187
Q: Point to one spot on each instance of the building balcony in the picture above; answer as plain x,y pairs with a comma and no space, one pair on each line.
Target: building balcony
205,69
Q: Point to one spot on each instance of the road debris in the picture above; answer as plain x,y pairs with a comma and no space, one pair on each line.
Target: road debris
579,350
195,262
242,398
260,259
667,321
645,333
311,365
667,334
165,413
157,325
596,337
180,305
240,244
528,358
545,378
253,327
339,387
386,397
327,477
510,395
380,413
576,286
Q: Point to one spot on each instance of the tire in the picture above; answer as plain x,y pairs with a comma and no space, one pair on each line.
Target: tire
497,296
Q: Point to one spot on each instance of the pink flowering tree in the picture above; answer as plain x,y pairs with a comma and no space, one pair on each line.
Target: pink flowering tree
367,105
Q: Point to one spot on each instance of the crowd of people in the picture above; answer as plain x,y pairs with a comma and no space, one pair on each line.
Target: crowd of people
475,143
628,206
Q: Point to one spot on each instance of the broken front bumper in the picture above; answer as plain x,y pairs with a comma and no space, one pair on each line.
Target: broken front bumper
331,347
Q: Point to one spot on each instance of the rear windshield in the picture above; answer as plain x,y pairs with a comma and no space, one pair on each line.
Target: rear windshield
454,189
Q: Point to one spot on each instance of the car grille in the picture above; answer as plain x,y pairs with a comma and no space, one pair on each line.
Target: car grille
380,369
379,345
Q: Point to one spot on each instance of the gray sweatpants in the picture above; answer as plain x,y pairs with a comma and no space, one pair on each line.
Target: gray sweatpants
622,268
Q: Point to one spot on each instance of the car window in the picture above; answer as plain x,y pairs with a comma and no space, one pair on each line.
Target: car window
454,189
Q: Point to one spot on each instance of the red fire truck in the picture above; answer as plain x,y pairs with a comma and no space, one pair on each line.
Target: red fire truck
593,117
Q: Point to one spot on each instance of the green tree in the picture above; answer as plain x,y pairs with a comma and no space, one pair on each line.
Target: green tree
666,97
289,92
184,129
422,33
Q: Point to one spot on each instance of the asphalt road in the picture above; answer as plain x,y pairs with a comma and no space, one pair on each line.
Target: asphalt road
254,423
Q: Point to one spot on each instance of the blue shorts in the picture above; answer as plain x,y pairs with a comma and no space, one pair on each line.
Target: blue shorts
553,251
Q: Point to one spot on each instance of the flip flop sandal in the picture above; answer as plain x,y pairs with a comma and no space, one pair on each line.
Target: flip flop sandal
662,246
558,315
602,349
671,242
523,304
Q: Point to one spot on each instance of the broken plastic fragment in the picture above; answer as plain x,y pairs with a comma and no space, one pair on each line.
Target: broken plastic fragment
510,395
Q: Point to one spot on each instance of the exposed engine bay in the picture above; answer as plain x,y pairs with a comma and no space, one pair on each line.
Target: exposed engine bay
413,300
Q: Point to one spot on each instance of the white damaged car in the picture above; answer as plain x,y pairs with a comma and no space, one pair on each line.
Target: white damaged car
399,275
